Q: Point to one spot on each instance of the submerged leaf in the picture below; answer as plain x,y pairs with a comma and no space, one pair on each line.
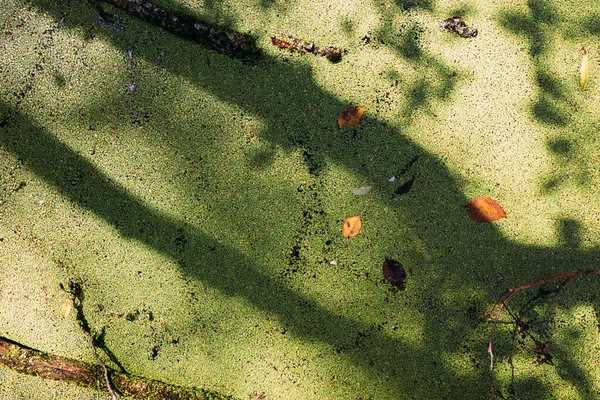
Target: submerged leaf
66,308
484,209
584,70
362,190
394,272
351,116
352,226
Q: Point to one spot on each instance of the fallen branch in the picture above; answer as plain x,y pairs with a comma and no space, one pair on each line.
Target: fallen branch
567,276
26,360
226,41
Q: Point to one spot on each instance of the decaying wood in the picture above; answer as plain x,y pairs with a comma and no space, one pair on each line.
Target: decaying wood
293,44
225,41
29,361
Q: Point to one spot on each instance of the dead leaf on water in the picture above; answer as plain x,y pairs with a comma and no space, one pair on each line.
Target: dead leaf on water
351,116
66,308
485,209
352,226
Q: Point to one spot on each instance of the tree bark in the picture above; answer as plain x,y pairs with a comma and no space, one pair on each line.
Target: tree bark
26,360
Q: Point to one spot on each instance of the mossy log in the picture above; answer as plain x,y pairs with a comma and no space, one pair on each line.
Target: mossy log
26,360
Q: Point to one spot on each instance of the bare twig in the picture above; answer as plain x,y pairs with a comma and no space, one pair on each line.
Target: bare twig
568,276
99,361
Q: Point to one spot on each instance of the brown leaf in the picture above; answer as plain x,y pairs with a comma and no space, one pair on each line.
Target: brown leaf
351,226
484,209
351,116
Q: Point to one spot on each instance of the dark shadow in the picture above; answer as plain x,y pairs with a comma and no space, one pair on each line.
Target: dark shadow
591,24
561,147
410,4
528,388
569,233
88,188
547,111
463,11
432,213
571,164
552,106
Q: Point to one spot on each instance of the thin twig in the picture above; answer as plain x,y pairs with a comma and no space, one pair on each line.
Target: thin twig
76,292
568,276
99,361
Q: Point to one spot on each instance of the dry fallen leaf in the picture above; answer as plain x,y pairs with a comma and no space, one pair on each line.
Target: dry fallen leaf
484,209
351,226
66,308
351,116
584,70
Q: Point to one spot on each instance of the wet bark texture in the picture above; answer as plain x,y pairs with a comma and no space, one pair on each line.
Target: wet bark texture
29,361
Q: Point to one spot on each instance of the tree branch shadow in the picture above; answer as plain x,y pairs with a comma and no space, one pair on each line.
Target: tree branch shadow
412,371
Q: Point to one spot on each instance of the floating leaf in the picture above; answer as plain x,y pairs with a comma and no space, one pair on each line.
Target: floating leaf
484,209
362,190
394,272
66,307
584,70
351,226
351,116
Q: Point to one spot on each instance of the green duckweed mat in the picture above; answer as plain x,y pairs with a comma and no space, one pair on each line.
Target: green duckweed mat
198,199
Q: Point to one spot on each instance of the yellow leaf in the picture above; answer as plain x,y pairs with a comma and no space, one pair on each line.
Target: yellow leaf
352,226
584,70
66,307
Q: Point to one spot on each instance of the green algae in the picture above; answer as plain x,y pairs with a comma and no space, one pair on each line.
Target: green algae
211,196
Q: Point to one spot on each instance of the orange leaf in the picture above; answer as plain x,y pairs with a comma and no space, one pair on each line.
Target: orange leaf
351,116
484,209
351,226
